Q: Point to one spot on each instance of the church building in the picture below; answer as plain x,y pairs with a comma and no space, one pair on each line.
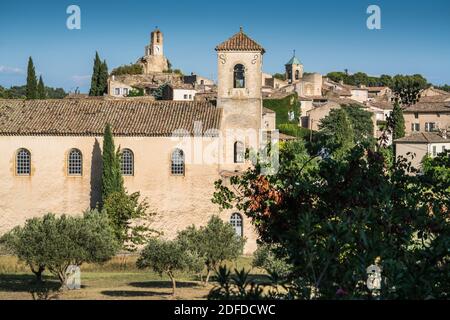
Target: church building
172,151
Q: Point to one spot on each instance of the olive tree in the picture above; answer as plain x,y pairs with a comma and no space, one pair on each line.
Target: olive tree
168,257
214,243
54,243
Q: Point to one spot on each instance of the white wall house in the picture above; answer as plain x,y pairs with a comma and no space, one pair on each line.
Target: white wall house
422,144
182,92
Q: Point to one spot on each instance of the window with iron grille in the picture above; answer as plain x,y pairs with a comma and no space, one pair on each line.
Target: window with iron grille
177,166
75,165
239,152
127,163
23,162
236,223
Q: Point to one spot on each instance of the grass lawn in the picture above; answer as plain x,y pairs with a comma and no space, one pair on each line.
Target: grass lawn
117,279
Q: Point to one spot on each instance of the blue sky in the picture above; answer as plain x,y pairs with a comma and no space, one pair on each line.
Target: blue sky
327,36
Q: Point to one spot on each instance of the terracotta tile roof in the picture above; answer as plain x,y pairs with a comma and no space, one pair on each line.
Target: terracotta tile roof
373,89
424,137
385,105
437,98
240,42
428,107
88,117
350,87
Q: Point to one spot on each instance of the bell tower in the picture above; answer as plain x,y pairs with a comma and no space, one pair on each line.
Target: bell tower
239,95
156,42
294,70
154,60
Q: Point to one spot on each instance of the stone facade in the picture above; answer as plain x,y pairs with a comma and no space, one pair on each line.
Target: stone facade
427,117
178,201
242,107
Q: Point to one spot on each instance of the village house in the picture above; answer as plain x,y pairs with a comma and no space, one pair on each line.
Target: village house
180,92
422,144
172,151
426,116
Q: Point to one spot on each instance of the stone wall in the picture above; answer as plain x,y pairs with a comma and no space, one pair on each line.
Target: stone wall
442,120
178,201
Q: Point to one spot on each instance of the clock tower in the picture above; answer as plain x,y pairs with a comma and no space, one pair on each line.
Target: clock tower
156,43
154,61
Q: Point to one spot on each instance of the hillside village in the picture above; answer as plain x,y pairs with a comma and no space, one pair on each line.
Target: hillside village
167,100
426,122
181,142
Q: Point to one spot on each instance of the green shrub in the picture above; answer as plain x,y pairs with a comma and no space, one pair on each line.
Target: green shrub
136,92
128,69
266,257
295,131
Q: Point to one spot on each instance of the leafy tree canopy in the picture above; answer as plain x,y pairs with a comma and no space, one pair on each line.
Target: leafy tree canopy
129,69
214,243
54,243
332,219
168,257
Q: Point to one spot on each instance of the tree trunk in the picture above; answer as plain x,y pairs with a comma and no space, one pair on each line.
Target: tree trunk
174,283
207,276
38,272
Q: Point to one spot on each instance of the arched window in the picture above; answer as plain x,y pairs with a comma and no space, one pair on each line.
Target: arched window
236,222
127,163
23,162
239,76
297,74
75,163
177,166
239,152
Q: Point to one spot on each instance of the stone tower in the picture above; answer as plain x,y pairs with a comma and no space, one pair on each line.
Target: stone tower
239,95
154,60
294,70
156,43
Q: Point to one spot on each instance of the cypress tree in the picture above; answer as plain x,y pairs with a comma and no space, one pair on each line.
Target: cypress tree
41,89
103,79
31,89
112,180
398,121
95,76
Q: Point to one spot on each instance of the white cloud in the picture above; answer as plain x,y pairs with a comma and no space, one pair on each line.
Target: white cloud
10,70
81,80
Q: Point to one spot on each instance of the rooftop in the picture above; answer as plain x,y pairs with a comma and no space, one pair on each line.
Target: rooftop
424,137
293,61
84,117
426,107
240,42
